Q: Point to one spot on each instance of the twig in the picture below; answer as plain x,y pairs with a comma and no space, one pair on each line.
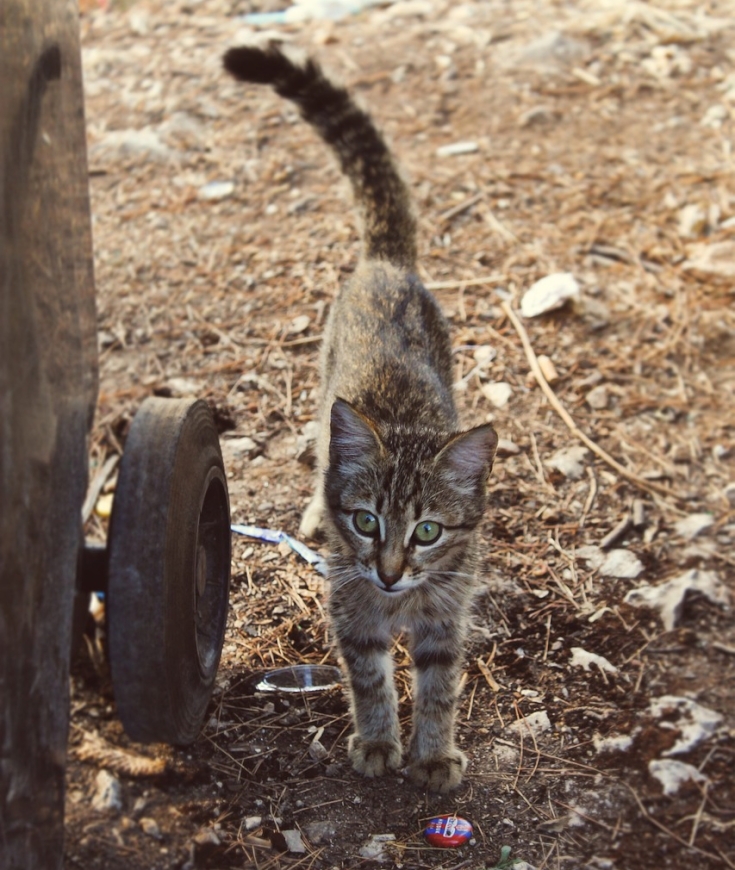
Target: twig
645,485
698,815
649,818
450,213
591,495
470,282
95,488
622,528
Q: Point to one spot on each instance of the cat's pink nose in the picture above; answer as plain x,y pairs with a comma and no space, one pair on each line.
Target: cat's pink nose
390,578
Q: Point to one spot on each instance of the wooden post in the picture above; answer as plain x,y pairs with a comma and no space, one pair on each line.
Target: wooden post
48,389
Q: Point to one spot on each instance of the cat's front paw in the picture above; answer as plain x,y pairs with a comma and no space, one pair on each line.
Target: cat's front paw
440,772
374,757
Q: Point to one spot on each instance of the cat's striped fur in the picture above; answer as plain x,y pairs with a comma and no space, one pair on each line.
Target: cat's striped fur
401,491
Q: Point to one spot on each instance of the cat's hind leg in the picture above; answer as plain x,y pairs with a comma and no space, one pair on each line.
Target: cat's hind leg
312,517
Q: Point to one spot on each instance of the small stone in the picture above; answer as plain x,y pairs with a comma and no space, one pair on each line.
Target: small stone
318,751
594,556
548,369
183,387
674,774
252,822
691,526
125,144
239,445
549,293
692,221
621,563
484,354
538,723
294,843
498,393
715,116
669,598
108,793
713,262
457,148
569,461
214,191
298,325
150,827
506,447
694,722
320,832
583,659
374,849
612,743
729,492
597,398
103,508
206,837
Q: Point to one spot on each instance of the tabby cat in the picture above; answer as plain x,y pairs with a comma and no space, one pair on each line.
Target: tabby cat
401,490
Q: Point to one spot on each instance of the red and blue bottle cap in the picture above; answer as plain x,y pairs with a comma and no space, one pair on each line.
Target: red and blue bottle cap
448,832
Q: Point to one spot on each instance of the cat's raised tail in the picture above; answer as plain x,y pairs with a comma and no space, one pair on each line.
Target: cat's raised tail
389,226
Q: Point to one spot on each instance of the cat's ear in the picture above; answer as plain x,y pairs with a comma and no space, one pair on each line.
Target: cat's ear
353,438
467,458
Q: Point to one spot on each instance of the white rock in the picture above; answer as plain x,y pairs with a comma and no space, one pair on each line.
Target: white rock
689,527
150,827
594,556
121,144
238,445
206,837
484,354
673,774
216,190
597,398
613,743
552,51
715,261
299,324
320,832
621,563
457,148
374,848
715,116
506,447
183,387
583,659
498,393
668,598
569,461
108,793
549,293
538,723
294,843
694,722
253,822
318,751
692,221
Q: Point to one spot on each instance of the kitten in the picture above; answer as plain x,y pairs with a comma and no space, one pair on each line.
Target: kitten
401,490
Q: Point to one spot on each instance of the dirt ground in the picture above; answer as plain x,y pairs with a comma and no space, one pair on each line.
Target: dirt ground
599,145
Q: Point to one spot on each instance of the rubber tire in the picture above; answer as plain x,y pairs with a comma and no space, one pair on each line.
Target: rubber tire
171,506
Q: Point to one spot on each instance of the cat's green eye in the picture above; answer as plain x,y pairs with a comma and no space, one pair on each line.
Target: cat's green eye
427,532
366,523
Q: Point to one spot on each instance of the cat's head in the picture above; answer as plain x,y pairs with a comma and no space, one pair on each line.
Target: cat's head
404,503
